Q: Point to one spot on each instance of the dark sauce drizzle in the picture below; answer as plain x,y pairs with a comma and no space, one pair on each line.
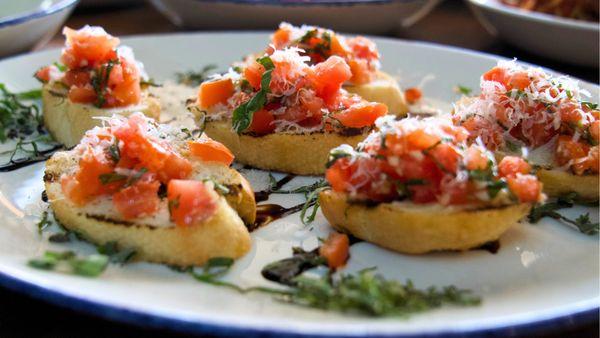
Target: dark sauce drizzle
267,213
26,161
261,196
491,247
44,196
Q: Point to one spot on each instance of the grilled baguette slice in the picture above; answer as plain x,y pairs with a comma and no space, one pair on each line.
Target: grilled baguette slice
301,154
67,121
384,89
156,239
559,183
417,229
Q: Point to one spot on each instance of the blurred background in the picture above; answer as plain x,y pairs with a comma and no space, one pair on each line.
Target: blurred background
562,35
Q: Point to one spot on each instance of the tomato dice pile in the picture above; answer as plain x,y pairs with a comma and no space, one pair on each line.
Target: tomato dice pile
319,44
428,161
299,94
127,161
96,73
533,108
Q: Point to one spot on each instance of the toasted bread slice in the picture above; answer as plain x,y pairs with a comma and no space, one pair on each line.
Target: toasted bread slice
155,238
301,154
67,122
384,89
417,229
558,183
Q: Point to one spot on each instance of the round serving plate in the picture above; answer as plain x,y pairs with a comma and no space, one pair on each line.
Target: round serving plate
544,277
562,39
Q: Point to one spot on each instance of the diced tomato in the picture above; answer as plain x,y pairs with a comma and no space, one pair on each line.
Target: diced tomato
77,78
446,157
476,159
519,81
512,165
527,188
363,48
262,122
151,154
87,47
253,74
338,175
124,85
138,200
215,92
43,74
330,75
280,38
421,140
85,184
211,151
336,46
190,202
85,94
336,250
361,73
361,115
496,74
413,95
567,149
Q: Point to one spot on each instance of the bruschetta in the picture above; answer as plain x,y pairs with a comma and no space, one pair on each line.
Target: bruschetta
280,113
95,78
548,115
361,54
154,189
415,186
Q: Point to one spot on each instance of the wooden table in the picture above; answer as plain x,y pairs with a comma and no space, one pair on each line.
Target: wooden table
451,24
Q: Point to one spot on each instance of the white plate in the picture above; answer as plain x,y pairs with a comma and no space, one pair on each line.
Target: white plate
561,39
545,276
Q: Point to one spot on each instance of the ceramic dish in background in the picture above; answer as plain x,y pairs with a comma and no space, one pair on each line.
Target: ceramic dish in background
362,16
26,23
544,277
558,38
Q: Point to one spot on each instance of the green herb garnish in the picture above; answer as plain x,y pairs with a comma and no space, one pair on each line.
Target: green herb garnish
589,105
242,115
195,78
99,81
44,222
18,119
116,254
88,266
284,271
464,90
582,223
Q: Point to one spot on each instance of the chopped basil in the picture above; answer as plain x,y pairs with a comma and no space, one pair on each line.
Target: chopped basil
88,266
337,153
284,271
99,81
464,90
44,222
195,78
114,152
403,187
116,254
589,105
242,115
111,178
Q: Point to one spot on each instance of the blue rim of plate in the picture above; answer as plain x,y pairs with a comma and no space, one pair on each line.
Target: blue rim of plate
27,16
147,320
567,320
308,3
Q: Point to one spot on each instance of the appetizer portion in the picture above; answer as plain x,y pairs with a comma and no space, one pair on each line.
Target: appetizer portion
586,10
95,78
360,54
526,107
280,113
426,188
154,189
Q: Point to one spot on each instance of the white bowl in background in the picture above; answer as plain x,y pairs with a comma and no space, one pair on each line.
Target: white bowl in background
562,39
26,23
362,16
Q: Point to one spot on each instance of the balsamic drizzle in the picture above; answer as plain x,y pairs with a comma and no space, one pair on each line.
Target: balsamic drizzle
267,213
44,196
263,195
491,247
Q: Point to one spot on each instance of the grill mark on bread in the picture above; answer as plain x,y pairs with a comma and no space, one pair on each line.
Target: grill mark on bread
105,219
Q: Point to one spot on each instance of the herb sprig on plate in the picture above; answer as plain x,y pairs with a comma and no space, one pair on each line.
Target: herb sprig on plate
195,78
582,223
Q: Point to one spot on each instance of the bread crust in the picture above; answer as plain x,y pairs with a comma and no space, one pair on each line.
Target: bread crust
301,154
559,183
417,229
383,89
222,235
67,122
